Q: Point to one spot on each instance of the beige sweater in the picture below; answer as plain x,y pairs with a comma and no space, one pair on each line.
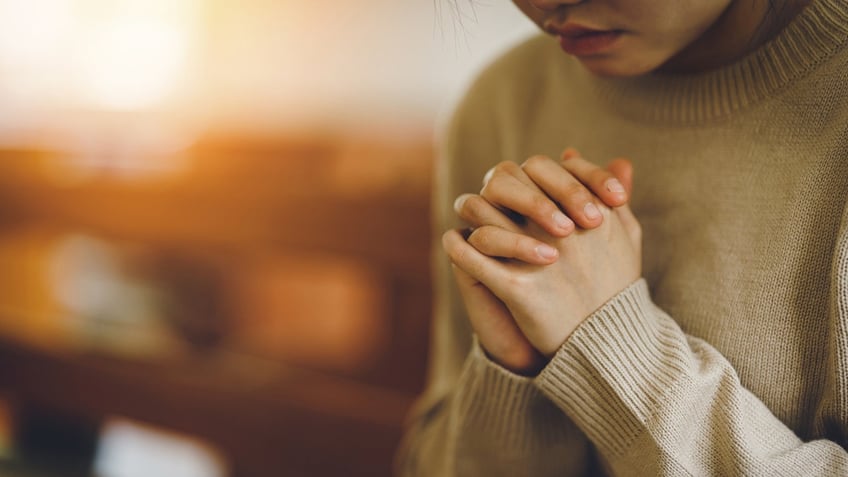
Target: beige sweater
730,356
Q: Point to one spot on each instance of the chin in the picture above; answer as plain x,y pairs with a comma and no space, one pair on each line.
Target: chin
612,66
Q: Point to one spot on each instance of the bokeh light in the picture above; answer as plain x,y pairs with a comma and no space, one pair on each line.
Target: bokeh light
214,229
118,55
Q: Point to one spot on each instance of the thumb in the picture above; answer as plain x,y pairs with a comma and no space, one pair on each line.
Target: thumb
622,169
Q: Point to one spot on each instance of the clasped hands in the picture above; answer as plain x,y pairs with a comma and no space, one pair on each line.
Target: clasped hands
550,242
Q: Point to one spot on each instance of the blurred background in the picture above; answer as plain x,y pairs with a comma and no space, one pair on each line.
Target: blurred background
214,228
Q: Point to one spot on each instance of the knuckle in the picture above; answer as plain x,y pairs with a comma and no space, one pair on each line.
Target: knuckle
521,247
631,226
517,243
505,167
498,189
499,169
493,186
518,282
542,204
575,192
599,176
471,207
461,257
525,247
573,162
534,162
636,231
482,239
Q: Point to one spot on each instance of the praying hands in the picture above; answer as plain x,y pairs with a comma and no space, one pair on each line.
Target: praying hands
550,243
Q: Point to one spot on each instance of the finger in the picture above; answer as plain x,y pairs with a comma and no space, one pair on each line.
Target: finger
508,168
497,242
623,170
481,267
505,190
512,169
630,224
488,175
561,185
569,153
464,280
600,181
477,212
525,179
496,329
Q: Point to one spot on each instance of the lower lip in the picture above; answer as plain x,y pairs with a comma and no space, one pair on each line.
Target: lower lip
589,44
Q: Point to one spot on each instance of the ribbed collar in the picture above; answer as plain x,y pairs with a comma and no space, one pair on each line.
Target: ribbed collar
815,34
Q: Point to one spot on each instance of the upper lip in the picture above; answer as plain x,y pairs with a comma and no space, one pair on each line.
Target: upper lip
572,30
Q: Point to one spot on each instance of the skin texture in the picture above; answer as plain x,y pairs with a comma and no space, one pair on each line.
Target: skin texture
577,186
509,300
678,36
551,242
548,302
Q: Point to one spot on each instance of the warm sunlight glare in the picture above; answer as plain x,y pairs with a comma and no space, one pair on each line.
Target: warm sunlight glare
117,55
31,30
132,63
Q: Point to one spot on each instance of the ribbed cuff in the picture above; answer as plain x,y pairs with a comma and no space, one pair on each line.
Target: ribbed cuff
614,369
505,407
498,400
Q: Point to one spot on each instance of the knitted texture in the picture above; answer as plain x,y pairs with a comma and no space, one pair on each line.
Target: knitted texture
730,355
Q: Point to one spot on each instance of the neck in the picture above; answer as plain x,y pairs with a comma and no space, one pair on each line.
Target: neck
742,28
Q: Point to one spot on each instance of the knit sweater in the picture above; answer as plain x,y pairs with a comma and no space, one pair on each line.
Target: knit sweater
730,355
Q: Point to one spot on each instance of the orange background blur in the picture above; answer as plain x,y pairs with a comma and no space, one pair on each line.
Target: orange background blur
214,229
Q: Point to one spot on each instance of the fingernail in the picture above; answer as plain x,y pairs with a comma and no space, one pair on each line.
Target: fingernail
562,220
614,186
546,251
488,176
457,204
591,211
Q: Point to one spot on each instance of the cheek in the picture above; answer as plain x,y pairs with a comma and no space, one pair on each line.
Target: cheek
664,33
668,26
657,30
530,11
673,28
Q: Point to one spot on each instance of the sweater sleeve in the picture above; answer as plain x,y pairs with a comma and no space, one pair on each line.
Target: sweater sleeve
493,423
655,401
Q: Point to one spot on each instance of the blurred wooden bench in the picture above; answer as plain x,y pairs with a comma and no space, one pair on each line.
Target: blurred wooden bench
326,208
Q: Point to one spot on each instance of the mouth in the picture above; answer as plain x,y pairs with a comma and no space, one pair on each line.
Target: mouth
579,40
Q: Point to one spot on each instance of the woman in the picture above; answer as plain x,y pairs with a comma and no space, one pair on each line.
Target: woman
706,332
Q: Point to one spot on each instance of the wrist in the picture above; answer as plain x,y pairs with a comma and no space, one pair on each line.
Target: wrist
527,362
